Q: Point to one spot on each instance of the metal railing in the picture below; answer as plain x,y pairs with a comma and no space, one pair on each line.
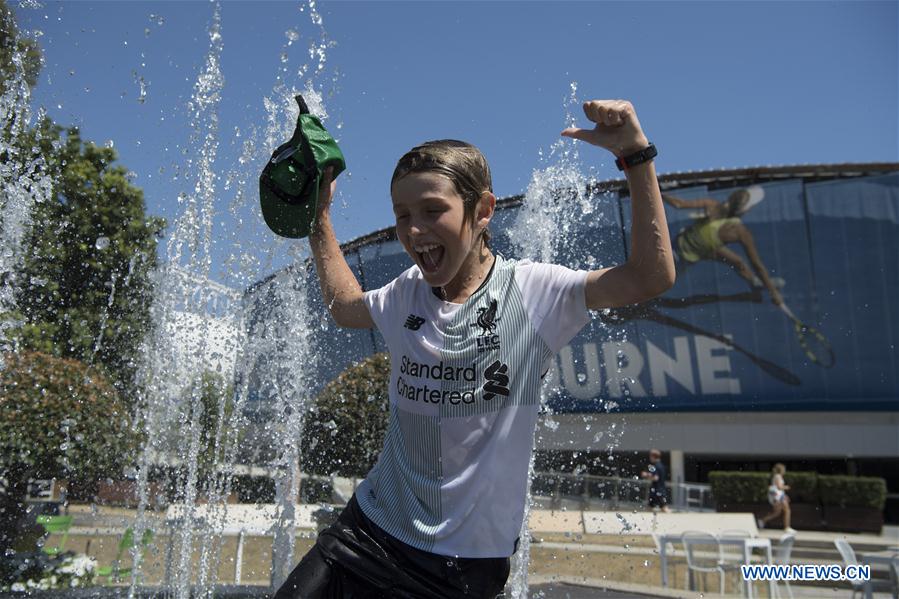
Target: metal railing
552,490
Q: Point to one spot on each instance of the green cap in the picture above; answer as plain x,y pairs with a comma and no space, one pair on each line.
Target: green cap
288,185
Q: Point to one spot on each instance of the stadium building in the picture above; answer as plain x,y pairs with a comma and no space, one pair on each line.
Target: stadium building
714,373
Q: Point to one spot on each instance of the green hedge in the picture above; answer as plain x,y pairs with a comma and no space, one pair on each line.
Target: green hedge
253,489
853,491
739,487
805,487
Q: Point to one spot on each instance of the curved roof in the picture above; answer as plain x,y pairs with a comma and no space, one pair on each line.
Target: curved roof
713,179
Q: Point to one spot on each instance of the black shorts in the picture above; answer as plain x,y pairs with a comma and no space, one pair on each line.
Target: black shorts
354,558
657,498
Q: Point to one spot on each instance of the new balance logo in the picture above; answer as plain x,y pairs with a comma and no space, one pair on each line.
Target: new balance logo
497,381
413,323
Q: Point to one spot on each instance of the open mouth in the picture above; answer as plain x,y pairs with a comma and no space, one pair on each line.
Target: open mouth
430,257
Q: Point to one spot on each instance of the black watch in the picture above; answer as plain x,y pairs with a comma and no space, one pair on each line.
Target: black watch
644,155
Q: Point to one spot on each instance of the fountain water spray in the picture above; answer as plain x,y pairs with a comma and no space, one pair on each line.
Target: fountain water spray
278,352
558,197
24,182
182,289
286,342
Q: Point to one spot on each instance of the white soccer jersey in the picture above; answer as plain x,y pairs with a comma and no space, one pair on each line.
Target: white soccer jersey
464,394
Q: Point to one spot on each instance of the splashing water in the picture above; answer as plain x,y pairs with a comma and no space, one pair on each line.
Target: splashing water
183,293
279,349
558,197
288,347
25,182
170,415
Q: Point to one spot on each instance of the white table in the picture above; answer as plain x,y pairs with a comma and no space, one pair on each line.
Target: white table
882,558
748,545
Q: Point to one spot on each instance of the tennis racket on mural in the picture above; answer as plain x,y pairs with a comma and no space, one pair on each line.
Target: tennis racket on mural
646,312
813,342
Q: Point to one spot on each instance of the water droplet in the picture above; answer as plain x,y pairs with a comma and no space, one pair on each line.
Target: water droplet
102,243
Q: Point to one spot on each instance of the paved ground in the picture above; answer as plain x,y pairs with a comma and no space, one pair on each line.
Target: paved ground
569,591
540,591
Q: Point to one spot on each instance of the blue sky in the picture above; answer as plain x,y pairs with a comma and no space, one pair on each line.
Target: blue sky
715,85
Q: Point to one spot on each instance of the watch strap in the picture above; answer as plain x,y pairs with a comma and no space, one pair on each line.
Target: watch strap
644,155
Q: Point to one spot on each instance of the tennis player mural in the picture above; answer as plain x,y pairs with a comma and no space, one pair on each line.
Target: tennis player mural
717,225
769,307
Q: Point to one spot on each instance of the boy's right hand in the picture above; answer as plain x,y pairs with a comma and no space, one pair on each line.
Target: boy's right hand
326,192
340,290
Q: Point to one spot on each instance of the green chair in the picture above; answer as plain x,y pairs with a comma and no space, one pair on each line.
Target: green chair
58,525
115,572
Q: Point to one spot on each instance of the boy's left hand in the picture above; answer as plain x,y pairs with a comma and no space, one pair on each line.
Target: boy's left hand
617,128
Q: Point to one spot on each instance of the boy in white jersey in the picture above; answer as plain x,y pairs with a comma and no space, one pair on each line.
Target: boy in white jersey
470,336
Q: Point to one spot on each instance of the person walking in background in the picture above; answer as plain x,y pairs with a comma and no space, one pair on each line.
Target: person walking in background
778,498
656,474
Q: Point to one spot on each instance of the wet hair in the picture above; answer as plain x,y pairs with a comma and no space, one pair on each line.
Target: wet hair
736,202
458,161
779,469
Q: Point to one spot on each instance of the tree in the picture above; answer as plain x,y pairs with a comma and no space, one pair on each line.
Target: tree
208,400
84,288
59,418
344,431
10,43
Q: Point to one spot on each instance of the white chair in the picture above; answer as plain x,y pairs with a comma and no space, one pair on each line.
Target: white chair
782,557
703,557
860,586
894,577
731,556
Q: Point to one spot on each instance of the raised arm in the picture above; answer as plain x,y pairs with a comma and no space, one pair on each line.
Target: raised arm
680,203
748,242
340,289
649,271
